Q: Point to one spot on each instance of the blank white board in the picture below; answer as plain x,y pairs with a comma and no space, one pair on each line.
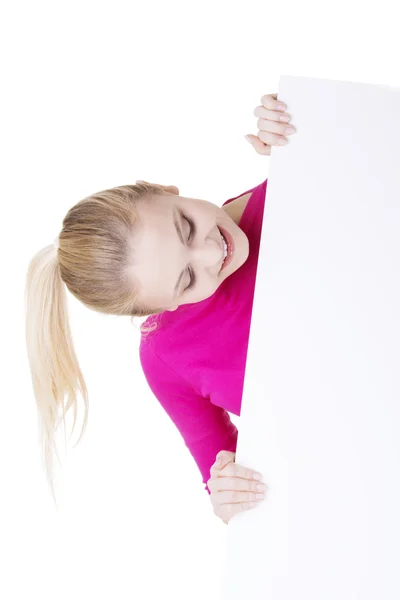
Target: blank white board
320,414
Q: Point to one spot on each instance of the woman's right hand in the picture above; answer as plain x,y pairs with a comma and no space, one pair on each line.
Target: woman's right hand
232,487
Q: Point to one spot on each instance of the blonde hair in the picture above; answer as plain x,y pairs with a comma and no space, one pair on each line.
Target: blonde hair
93,260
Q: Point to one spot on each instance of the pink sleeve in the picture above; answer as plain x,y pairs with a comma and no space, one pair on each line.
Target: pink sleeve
205,427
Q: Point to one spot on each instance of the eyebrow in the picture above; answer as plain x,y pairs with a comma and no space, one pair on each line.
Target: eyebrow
176,213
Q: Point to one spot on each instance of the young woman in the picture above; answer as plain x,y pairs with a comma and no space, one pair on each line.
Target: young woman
143,250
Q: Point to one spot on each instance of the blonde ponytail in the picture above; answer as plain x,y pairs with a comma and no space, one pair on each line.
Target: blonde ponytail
54,367
93,260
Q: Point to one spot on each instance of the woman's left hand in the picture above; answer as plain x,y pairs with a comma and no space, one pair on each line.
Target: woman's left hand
272,125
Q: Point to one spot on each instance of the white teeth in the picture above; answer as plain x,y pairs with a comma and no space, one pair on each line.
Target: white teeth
225,246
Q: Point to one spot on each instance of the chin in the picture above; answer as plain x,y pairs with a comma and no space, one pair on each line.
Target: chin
243,253
237,262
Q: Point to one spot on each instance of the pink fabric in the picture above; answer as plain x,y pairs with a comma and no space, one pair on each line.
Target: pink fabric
194,362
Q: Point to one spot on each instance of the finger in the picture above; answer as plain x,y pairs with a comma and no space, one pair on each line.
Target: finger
235,470
259,146
271,115
272,127
238,484
272,139
272,132
236,497
271,101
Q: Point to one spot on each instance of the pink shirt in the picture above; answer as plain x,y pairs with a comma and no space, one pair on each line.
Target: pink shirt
194,362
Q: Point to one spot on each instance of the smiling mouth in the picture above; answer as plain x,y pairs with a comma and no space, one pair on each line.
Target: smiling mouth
229,256
222,248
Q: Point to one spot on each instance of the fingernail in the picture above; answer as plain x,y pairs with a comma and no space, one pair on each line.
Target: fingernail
248,139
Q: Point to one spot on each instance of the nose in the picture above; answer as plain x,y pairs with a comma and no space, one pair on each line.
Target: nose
209,255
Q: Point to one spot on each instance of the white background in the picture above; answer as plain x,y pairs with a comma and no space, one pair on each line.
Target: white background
96,95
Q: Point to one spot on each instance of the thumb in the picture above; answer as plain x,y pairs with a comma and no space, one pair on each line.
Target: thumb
223,458
258,145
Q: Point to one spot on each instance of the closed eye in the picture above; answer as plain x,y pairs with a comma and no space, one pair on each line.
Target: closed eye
193,278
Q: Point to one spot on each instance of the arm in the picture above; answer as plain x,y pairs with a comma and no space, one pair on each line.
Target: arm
205,427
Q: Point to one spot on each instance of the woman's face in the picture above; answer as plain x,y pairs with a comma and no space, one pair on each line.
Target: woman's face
161,257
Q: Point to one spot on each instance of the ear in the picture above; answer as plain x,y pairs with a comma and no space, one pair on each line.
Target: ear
170,189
